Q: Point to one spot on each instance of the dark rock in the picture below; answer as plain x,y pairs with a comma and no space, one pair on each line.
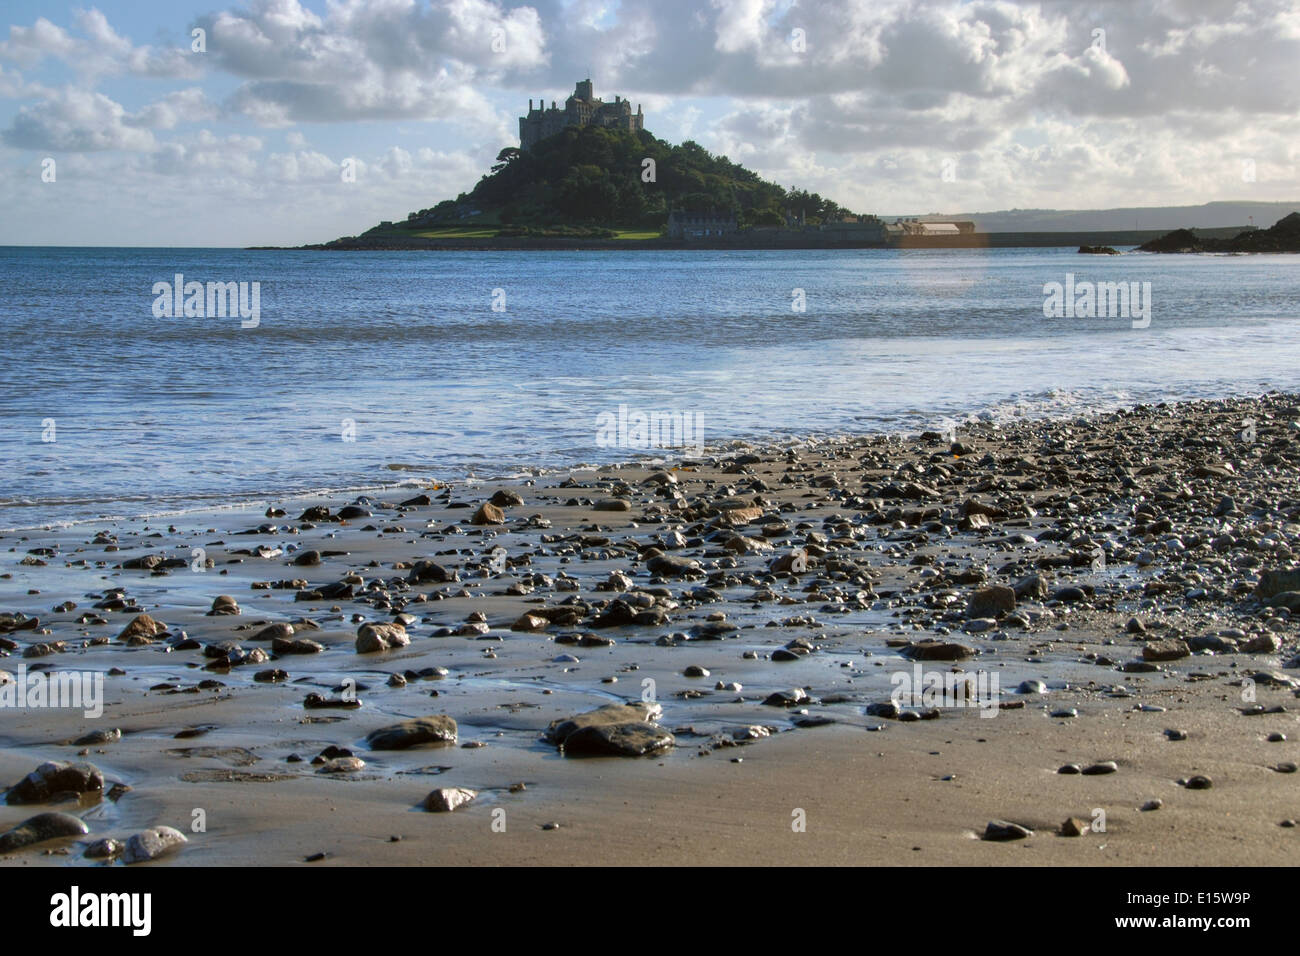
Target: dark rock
271,632
372,638
1212,642
1277,581
787,698
301,645
1099,769
54,778
505,498
1032,587
992,601
105,849
618,740
142,627
488,513
430,572
437,729
673,566
1002,830
42,827
1074,827
97,738
938,651
1262,644
1170,650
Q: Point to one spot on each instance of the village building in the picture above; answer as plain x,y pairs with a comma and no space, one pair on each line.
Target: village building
710,224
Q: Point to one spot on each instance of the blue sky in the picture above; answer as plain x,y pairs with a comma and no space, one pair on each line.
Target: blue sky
1032,104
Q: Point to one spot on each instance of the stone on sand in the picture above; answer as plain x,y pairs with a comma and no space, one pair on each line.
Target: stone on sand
1002,830
488,513
1169,650
625,730
938,651
437,728
447,799
380,637
430,572
142,626
992,601
42,827
56,777
153,843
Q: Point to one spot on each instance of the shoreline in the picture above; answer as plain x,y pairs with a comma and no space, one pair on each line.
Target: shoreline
979,240
912,545
1004,412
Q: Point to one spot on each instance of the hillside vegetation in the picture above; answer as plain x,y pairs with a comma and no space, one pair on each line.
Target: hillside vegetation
588,182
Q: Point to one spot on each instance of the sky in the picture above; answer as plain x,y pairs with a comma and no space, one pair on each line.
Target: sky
180,123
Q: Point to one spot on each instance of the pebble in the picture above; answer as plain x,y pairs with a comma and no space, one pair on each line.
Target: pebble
1001,830
1098,769
105,849
447,799
153,843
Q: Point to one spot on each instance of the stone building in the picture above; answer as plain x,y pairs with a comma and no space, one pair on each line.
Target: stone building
580,109
700,225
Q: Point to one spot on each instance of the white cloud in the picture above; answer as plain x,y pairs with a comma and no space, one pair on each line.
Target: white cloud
77,120
99,50
389,59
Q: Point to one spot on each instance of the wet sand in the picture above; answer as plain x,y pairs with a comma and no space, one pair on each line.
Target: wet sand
1122,516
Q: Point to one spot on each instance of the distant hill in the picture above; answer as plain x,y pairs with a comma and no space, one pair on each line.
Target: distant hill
594,182
1282,236
1211,215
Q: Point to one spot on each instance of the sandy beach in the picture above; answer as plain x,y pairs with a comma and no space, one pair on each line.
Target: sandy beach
269,674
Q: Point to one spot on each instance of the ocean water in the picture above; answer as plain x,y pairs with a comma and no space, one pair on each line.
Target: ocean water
372,369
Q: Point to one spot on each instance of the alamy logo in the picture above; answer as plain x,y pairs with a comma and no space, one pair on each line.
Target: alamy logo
74,909
1091,300
641,431
83,690
216,300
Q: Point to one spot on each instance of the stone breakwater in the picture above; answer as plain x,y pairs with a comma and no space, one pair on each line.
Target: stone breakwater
513,639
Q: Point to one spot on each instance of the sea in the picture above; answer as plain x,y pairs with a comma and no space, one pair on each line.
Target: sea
372,370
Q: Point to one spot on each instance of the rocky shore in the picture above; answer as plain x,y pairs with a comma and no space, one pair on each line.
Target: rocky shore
1282,236
732,659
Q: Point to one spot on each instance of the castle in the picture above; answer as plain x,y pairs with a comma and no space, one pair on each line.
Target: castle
580,109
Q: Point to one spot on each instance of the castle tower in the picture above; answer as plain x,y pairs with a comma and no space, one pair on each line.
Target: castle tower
580,109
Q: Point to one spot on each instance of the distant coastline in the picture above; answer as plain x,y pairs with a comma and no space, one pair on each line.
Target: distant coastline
742,241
